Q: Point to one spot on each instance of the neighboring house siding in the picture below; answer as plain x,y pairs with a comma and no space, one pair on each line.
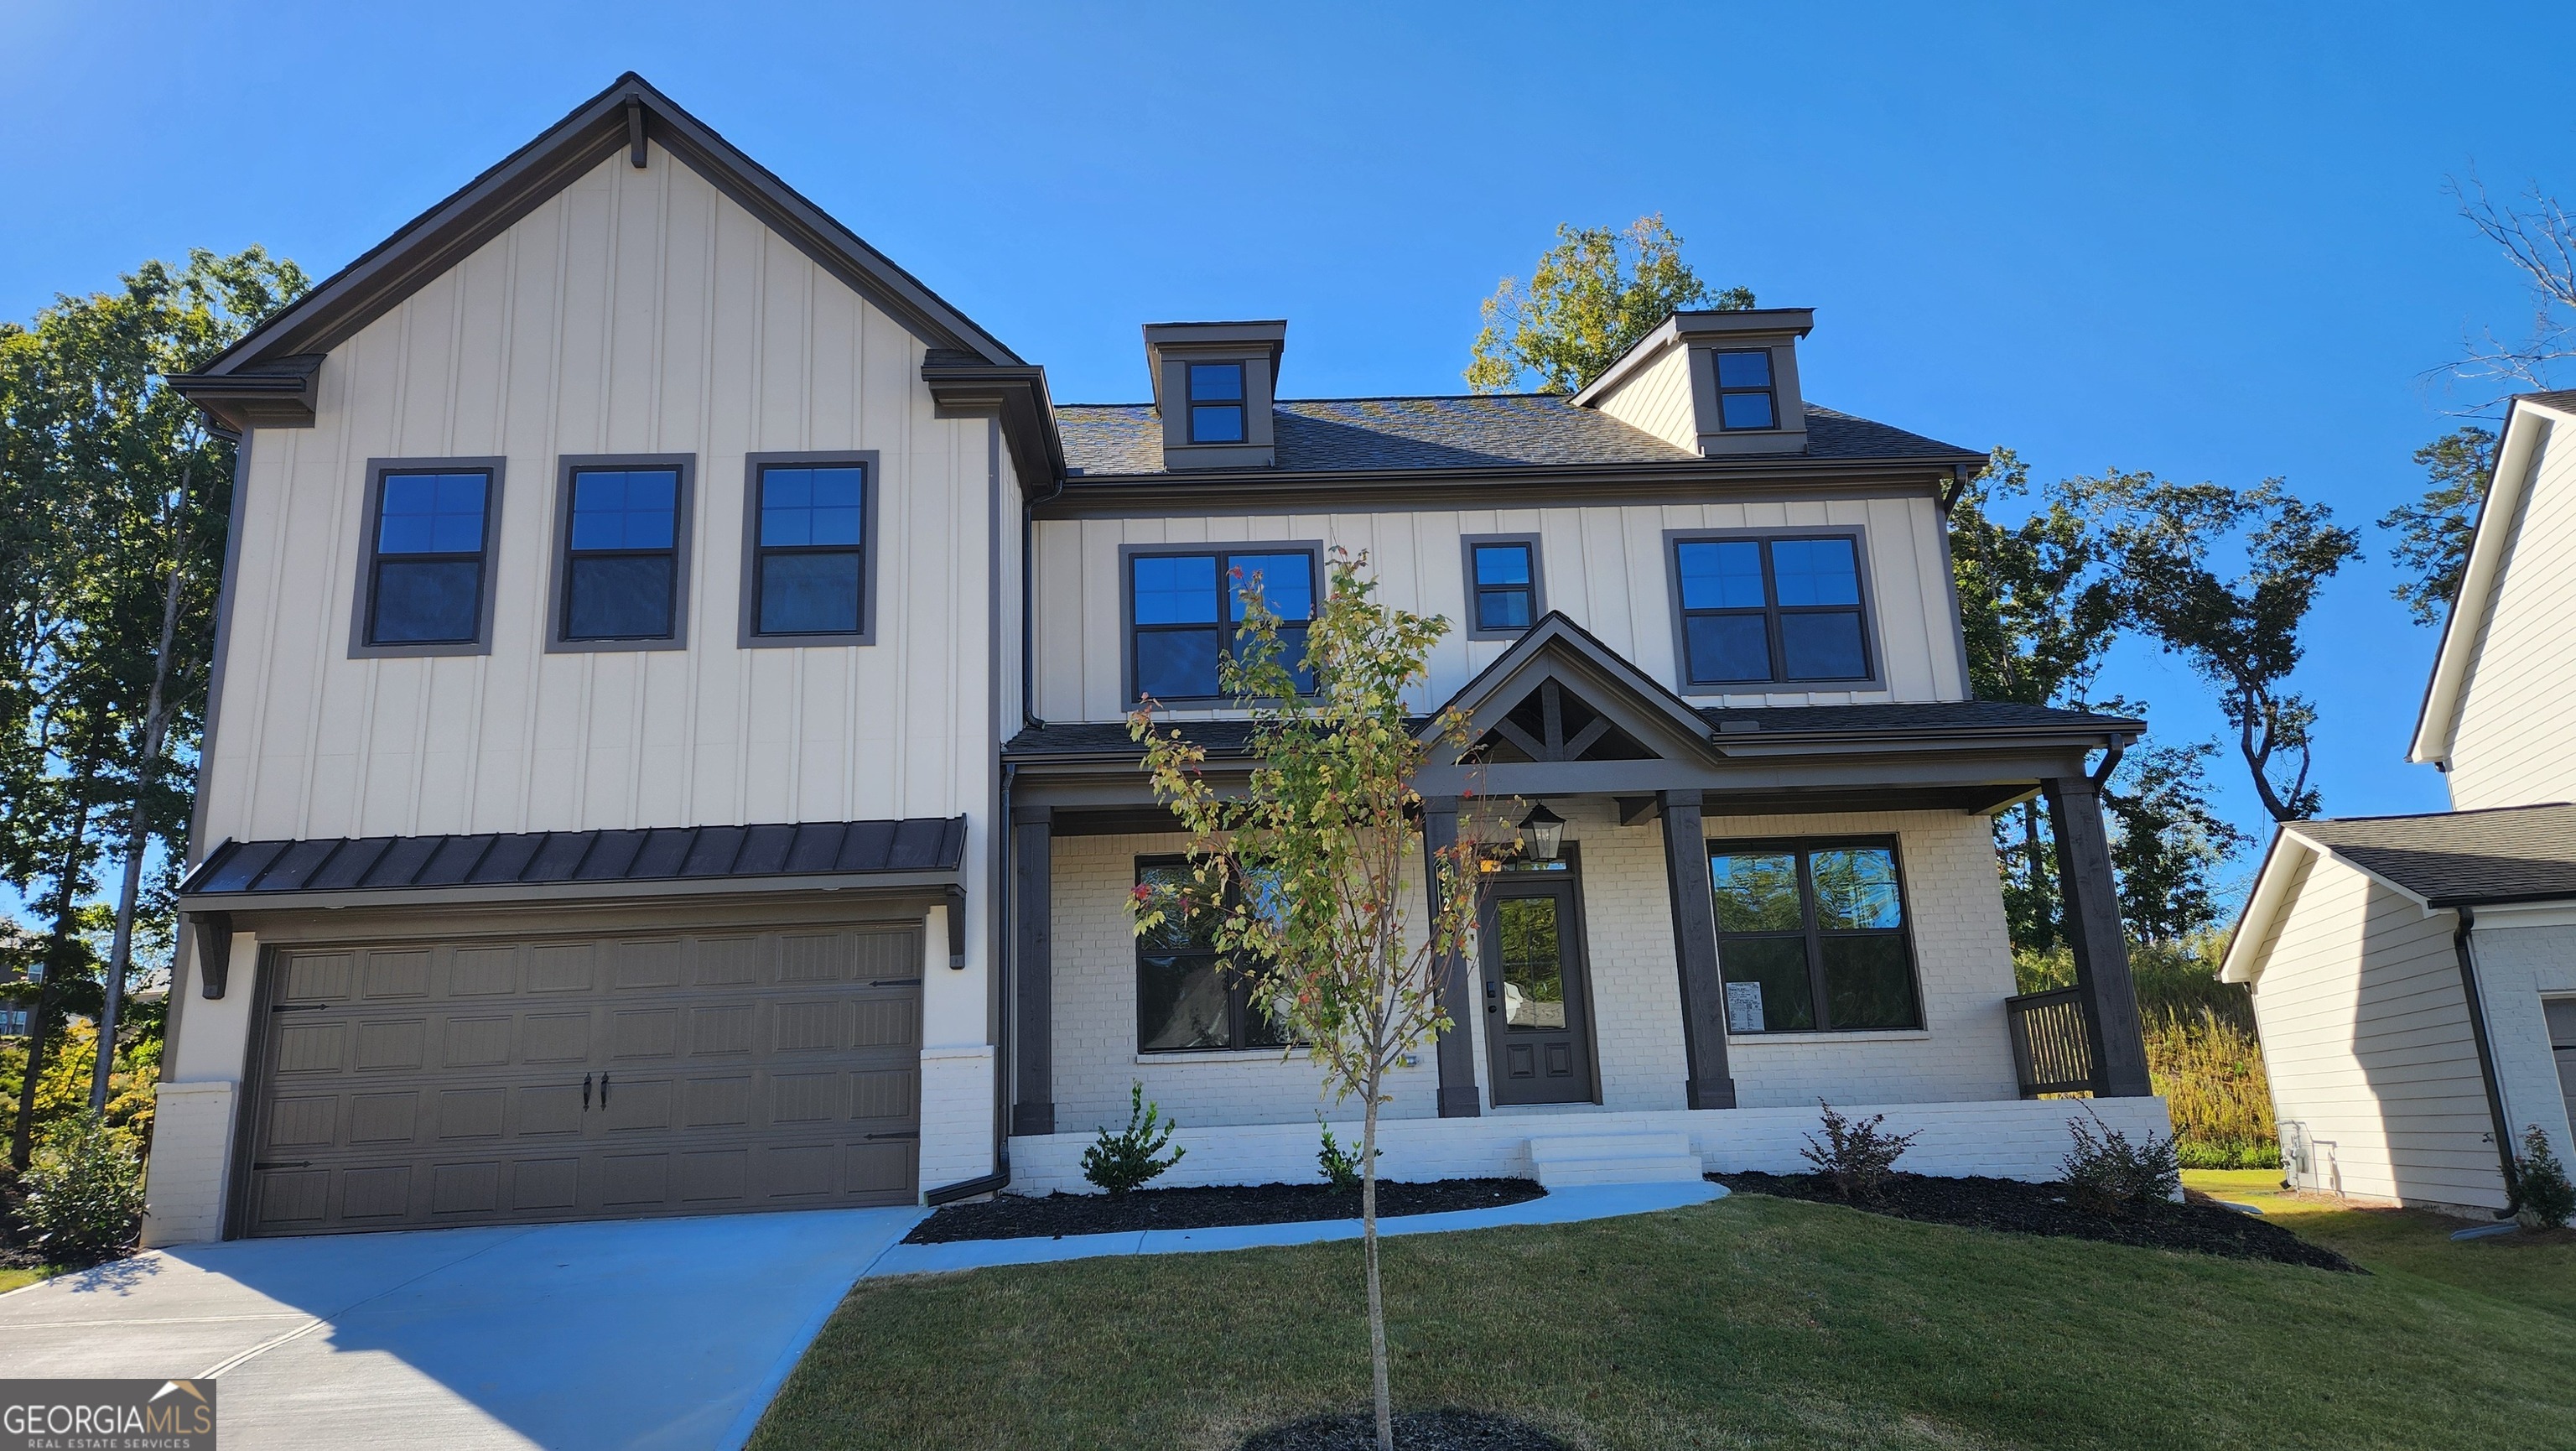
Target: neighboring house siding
2517,968
2366,1039
2515,743
635,312
1606,567
1657,400
1963,957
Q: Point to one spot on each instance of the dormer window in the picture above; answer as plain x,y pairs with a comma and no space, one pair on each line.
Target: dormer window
1216,403
1744,396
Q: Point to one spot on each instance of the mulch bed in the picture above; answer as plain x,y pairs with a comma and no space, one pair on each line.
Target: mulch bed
1441,1430
1009,1216
2020,1208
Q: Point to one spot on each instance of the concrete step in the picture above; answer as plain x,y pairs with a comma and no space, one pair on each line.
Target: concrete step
1567,1160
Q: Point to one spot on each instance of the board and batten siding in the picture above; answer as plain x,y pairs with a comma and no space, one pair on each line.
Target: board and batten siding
638,311
2515,744
1604,566
2366,1038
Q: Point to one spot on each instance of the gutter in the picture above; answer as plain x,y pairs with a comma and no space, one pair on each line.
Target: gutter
2486,1062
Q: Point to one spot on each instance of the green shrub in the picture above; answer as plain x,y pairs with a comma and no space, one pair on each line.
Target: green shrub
84,1190
2548,1200
2108,1174
1119,1162
1340,1165
1859,1156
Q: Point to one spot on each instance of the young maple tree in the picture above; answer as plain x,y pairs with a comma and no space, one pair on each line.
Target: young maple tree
1311,875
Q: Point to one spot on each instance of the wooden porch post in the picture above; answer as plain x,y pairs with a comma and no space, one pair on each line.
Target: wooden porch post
1033,974
1695,946
2093,930
1456,1048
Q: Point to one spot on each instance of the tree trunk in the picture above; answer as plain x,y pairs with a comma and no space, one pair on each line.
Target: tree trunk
1376,1297
22,1138
138,828
2044,922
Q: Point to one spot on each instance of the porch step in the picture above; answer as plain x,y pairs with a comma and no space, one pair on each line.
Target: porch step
1614,1159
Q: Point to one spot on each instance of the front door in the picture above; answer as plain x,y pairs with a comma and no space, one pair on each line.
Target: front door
1538,1028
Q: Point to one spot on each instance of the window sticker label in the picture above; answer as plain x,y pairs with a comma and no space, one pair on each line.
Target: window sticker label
1744,1007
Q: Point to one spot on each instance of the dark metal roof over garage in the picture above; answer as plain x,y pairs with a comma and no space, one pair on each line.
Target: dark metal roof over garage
248,871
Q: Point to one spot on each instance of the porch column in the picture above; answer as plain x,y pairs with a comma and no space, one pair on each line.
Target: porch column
1695,948
1032,974
2093,930
1457,1047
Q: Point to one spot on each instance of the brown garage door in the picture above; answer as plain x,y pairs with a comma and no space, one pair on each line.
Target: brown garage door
408,1085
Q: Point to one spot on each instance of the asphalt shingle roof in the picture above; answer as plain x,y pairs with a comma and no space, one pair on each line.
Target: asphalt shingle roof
1328,435
2462,858
1084,738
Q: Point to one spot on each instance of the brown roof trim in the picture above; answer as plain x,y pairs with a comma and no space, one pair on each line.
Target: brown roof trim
435,241
963,385
1271,490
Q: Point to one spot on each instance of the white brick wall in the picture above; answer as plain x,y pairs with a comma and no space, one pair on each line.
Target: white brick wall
183,1191
956,1113
2008,1139
1963,960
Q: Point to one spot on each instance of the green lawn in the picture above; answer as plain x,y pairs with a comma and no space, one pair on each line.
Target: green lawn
1748,1322
14,1279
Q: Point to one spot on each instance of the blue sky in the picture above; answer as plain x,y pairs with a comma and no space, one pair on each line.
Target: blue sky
2212,242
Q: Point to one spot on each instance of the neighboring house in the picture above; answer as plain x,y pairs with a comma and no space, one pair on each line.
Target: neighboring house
2414,977
668,748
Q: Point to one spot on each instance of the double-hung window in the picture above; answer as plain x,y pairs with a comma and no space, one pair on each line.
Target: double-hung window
623,574
1216,402
1185,612
1746,398
806,567
1189,998
1764,609
1811,937
1502,586
428,580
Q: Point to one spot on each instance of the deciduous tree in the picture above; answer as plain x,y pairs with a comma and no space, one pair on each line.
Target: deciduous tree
1591,295
1314,873
2433,533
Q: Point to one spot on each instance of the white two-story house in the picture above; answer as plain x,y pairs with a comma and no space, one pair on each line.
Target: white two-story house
2414,977
668,749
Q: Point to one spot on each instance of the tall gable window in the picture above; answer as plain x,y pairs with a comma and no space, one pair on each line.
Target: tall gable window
1756,610
1811,937
1503,596
808,541
1745,398
1185,609
1216,403
622,577
426,581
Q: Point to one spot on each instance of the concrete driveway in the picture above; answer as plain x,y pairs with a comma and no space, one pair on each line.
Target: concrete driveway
667,1333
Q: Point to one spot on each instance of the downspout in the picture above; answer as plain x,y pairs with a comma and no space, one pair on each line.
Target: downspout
2101,775
2486,1063
1028,605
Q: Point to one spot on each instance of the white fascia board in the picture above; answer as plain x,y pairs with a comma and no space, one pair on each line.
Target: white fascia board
2517,463
2243,962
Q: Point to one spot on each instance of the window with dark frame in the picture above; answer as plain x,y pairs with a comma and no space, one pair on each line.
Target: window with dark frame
1745,395
1812,937
809,561
1506,585
1186,610
1216,402
621,554
1189,999
1771,609
432,545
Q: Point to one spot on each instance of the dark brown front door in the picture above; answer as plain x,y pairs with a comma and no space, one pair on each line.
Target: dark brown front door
1538,1029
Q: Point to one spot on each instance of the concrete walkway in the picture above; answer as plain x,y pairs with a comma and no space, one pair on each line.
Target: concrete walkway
1557,1206
656,1334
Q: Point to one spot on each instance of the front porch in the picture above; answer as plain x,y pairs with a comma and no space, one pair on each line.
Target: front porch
1753,910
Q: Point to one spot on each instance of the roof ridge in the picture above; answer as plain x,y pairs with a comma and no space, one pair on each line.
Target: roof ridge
2430,815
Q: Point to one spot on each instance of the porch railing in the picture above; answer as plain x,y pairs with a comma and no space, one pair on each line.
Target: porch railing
2052,1045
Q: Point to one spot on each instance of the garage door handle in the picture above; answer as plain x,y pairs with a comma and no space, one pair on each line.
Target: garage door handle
895,982
299,1007
585,1093
906,1134
283,1164
603,1090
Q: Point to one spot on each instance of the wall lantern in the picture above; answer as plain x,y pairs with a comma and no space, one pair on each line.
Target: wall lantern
1545,833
